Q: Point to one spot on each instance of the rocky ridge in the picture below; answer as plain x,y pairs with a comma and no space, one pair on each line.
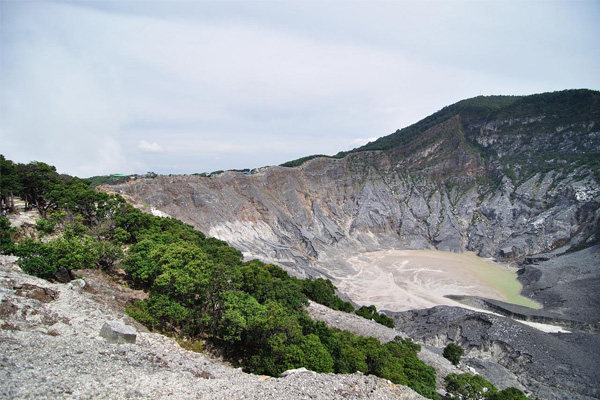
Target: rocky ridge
306,217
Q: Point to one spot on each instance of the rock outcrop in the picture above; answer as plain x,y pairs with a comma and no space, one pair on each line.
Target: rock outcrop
552,366
118,332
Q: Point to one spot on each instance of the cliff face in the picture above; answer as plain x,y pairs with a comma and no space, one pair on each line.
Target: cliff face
507,185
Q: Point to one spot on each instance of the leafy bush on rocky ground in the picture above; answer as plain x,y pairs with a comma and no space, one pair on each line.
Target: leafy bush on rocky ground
453,353
370,312
476,387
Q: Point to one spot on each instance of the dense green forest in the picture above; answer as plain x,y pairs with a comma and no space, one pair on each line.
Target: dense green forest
199,288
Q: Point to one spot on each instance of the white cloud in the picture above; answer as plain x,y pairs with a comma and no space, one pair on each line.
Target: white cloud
94,87
150,147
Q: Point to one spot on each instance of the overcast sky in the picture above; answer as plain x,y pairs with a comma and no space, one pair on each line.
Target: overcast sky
99,87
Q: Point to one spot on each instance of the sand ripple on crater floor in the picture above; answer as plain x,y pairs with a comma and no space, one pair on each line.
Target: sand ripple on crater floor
412,279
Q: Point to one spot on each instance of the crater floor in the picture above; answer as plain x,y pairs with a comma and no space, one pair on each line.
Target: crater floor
400,280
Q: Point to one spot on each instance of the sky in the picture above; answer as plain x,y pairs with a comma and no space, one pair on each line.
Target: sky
181,87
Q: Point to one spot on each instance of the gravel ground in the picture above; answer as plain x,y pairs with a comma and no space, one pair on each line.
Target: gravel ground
50,348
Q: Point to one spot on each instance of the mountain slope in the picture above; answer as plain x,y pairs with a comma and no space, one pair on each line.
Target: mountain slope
514,178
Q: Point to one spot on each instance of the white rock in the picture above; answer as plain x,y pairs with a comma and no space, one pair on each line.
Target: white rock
296,371
118,332
77,284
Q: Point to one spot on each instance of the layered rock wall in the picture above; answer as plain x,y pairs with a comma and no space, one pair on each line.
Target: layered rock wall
367,201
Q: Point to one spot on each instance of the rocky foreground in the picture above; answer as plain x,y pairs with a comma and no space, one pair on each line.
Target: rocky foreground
51,347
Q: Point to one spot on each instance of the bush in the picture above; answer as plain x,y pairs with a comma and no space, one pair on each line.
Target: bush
453,353
7,245
45,226
370,312
38,266
73,253
322,291
34,260
469,387
510,393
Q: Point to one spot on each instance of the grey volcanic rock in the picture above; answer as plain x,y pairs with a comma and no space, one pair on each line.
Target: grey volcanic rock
553,366
567,284
77,284
296,371
118,332
303,217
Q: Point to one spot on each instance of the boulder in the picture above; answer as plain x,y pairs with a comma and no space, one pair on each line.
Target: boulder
118,332
77,285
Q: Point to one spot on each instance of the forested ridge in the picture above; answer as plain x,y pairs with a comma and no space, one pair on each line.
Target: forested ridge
548,131
200,289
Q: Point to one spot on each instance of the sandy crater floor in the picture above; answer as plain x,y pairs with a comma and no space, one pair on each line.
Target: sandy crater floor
401,280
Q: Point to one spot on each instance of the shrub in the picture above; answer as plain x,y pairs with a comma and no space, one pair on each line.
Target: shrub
7,244
510,393
73,253
468,387
322,291
37,266
45,226
453,353
370,312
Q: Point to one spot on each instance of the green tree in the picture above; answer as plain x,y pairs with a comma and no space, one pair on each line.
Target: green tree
139,264
7,243
315,355
453,353
239,316
182,273
322,291
37,179
162,313
34,259
45,226
9,183
75,195
107,253
73,252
